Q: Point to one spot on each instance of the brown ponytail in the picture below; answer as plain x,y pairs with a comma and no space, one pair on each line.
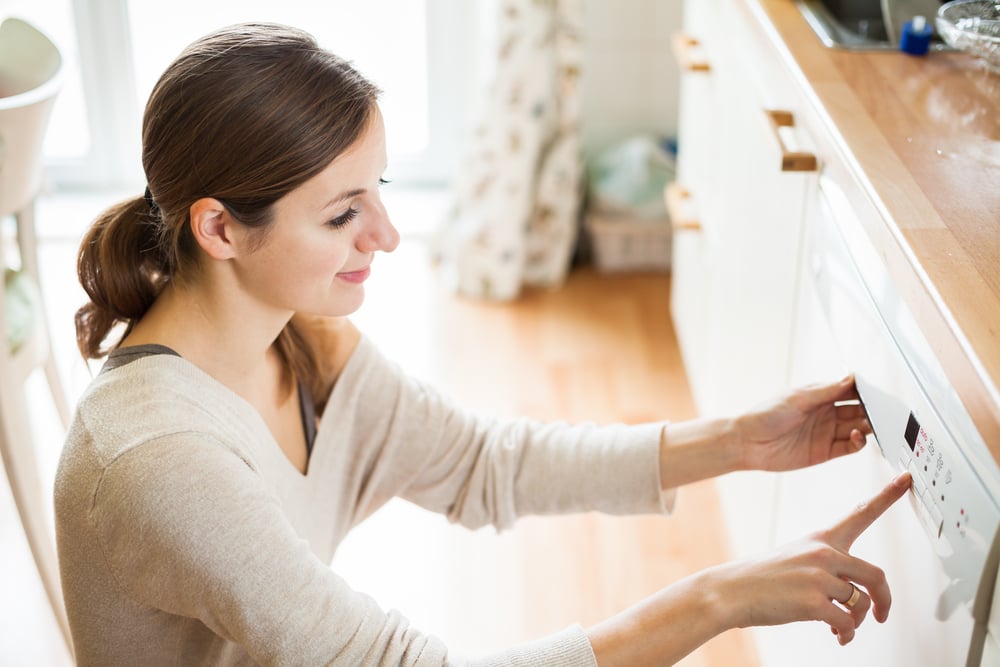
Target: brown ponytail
120,270
244,115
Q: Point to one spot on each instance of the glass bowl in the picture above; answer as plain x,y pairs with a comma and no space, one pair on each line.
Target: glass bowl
972,26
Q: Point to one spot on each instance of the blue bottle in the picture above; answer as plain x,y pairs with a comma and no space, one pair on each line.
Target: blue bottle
916,36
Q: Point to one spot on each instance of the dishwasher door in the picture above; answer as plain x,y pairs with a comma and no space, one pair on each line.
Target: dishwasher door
942,565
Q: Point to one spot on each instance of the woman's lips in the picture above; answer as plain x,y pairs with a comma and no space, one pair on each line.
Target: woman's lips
358,276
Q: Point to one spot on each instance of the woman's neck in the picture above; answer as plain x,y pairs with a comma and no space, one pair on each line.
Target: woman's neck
229,340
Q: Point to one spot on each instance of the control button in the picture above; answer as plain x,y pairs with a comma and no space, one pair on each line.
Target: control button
918,482
937,520
925,517
929,516
927,501
904,461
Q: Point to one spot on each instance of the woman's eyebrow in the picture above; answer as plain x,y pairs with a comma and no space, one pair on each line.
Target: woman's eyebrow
344,195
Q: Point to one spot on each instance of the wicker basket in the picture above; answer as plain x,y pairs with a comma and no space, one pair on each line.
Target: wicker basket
628,244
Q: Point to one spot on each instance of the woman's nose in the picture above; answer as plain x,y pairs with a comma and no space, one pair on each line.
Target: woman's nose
379,234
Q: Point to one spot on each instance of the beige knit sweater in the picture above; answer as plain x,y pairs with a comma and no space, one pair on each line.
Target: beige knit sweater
187,538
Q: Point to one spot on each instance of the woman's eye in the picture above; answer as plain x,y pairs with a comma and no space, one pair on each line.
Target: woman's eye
383,181
344,218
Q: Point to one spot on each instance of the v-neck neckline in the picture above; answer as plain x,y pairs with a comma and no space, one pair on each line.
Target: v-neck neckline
151,352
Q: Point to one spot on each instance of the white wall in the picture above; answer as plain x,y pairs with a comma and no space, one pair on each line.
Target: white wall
630,77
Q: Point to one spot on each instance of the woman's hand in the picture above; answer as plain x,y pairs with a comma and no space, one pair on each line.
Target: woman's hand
808,426
810,580
814,578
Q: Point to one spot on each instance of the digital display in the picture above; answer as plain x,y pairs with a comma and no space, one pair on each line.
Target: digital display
912,430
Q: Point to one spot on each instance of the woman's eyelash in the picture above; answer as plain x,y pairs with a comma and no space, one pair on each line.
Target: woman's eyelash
352,212
344,218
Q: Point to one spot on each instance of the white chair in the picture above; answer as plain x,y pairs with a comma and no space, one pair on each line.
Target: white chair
30,66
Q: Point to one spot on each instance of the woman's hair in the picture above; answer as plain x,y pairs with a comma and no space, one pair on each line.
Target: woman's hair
244,115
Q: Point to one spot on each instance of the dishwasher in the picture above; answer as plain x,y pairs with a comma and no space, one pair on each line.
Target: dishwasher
940,552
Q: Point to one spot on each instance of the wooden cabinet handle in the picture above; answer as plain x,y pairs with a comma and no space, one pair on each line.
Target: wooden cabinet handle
790,160
682,46
678,201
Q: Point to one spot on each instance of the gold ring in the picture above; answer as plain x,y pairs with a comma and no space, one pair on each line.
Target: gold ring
855,596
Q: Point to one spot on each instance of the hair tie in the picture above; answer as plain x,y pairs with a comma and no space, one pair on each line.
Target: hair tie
153,208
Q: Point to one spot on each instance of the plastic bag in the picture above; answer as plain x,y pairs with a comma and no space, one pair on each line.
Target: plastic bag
628,178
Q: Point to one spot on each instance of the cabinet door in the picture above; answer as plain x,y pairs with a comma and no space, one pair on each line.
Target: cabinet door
691,265
734,279
759,224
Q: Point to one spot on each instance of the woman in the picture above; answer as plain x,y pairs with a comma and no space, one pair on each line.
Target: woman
240,426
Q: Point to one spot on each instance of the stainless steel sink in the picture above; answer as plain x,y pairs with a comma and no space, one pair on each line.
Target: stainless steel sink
851,24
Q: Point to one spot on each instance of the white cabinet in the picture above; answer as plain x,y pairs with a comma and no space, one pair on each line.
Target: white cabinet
746,174
734,277
691,200
746,306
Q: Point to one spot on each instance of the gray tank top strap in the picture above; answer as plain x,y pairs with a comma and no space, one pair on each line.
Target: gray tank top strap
124,355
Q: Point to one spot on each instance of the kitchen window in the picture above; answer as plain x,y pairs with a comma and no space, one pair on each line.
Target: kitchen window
417,51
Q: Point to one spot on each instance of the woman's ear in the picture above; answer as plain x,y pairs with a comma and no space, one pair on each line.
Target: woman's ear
212,227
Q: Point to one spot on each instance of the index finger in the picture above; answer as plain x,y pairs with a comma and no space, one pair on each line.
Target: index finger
848,529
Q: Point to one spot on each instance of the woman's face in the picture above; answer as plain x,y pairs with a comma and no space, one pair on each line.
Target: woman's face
324,235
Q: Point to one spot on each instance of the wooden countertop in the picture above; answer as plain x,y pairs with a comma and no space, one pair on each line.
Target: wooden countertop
922,135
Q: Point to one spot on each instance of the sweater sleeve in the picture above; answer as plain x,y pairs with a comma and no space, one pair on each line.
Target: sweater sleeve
479,470
187,528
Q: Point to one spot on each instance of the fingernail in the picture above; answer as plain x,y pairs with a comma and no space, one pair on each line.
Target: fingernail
903,479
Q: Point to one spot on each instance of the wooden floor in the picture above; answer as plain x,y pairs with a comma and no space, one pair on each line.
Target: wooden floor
601,349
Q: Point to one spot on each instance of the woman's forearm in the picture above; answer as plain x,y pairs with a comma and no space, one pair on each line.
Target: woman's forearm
663,628
698,449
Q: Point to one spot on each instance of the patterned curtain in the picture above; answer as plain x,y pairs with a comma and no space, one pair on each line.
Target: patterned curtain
514,220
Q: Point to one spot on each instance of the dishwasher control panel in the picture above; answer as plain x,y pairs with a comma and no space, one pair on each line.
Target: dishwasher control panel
932,477
957,515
